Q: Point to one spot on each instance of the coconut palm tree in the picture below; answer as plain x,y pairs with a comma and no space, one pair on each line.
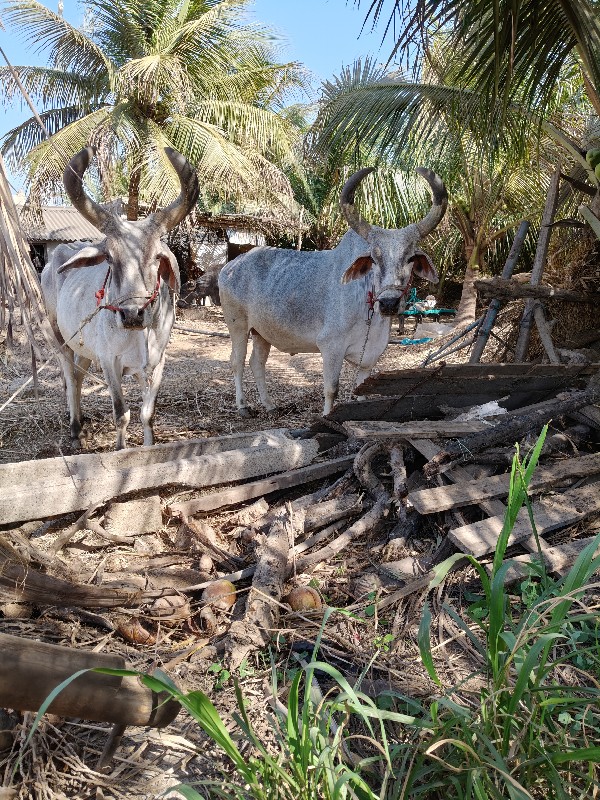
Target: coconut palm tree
513,48
145,74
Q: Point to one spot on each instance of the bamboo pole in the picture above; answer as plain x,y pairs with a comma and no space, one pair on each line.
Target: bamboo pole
485,328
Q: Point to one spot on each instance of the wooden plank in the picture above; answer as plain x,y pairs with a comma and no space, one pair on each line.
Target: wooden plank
557,559
425,429
460,379
456,474
444,498
491,506
550,514
249,491
415,407
86,465
60,495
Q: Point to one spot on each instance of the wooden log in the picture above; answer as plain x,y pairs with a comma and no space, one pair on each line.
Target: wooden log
249,491
544,332
23,583
419,429
59,495
431,501
557,559
539,263
512,427
550,514
262,610
512,290
30,671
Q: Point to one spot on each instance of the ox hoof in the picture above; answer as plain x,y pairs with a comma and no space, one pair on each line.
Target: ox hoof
246,412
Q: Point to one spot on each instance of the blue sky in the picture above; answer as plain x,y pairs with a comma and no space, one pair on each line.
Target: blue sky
322,34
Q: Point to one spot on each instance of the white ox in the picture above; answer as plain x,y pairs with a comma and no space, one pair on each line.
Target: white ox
337,302
113,302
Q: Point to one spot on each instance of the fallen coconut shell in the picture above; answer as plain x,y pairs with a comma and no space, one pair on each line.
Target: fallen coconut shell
219,595
303,598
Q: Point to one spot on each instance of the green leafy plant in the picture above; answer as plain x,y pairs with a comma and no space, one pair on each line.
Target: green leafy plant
523,733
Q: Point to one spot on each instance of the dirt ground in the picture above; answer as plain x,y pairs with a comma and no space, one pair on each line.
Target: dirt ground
196,400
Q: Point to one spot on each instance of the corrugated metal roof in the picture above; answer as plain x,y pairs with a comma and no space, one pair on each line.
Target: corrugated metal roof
60,224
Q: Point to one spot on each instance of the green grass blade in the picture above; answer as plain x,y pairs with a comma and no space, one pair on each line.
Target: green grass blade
424,641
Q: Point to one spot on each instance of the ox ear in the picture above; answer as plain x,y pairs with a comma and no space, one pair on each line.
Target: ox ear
423,266
86,257
168,269
361,266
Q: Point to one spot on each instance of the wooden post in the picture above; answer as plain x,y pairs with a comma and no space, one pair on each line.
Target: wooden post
538,265
483,333
30,671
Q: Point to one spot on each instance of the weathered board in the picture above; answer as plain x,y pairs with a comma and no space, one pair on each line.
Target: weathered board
59,494
466,379
249,491
416,393
471,492
87,465
426,429
550,513
557,559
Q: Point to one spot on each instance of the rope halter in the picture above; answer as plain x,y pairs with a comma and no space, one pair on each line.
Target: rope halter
99,295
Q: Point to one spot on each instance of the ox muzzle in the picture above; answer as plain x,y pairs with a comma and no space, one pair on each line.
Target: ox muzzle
133,318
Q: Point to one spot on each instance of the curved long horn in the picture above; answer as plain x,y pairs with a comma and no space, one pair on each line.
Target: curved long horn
73,181
353,218
440,201
172,215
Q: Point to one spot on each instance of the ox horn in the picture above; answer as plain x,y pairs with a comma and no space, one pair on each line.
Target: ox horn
172,215
440,201
353,218
73,181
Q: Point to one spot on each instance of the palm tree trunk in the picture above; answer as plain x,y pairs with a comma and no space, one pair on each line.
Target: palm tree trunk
468,299
133,202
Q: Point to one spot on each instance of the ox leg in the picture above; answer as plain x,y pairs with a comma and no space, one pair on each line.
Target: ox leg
121,414
239,348
73,392
260,352
149,393
332,366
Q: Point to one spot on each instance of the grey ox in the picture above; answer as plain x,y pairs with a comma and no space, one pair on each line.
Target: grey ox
337,302
113,302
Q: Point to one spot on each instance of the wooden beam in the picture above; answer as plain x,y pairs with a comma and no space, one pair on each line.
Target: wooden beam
89,465
431,501
550,514
61,494
459,379
539,263
31,670
249,491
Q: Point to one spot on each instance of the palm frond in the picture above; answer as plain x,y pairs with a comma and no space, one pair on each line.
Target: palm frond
67,47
